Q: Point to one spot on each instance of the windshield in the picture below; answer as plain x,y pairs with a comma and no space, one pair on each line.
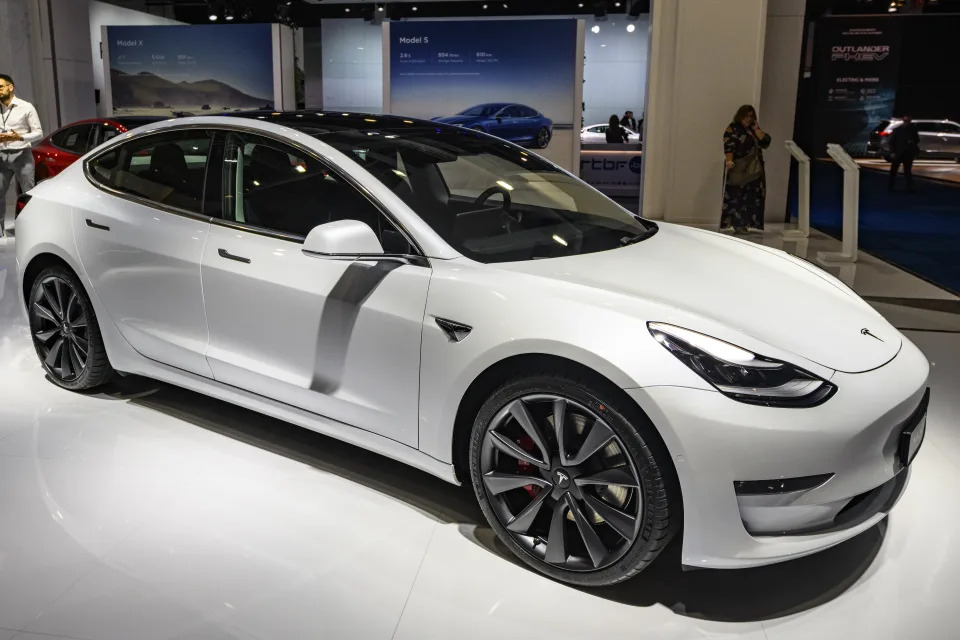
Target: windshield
491,201
482,110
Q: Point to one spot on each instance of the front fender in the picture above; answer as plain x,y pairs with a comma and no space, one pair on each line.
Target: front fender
518,314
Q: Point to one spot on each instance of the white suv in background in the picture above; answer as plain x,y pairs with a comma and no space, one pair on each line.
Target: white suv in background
938,138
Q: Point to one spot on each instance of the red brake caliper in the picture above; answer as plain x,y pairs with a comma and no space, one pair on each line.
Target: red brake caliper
525,468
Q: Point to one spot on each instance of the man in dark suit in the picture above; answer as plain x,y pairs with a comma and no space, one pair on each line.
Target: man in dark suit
904,149
628,121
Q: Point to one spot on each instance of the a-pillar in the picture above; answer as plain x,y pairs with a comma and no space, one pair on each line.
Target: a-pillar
706,59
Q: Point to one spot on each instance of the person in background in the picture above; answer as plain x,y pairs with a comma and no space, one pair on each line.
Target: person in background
628,121
615,133
743,143
904,149
19,128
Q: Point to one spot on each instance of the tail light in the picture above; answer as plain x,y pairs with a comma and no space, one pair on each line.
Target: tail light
884,133
22,201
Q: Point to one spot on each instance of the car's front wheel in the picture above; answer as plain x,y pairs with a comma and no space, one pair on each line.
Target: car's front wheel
65,332
570,484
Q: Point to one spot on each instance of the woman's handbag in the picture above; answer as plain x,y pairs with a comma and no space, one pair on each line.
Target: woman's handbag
745,170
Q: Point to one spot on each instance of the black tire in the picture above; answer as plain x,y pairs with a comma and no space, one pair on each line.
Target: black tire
95,369
542,138
657,517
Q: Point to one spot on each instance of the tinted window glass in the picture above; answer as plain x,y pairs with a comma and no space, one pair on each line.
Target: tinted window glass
927,126
511,112
949,127
73,139
491,201
108,132
271,185
527,112
168,168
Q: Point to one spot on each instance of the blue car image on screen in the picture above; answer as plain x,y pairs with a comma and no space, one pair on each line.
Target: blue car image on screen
510,121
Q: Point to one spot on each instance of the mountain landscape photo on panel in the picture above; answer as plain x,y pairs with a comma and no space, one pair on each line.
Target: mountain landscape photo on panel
190,69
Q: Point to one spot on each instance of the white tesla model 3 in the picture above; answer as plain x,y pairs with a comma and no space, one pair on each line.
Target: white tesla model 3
458,303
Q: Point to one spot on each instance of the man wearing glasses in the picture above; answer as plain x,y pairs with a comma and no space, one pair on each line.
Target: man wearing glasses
19,129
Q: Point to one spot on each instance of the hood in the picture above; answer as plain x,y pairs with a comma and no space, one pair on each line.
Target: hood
758,291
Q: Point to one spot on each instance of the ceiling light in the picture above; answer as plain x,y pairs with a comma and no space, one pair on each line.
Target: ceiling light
213,17
580,5
380,8
347,9
616,4
484,7
631,28
229,16
595,28
413,8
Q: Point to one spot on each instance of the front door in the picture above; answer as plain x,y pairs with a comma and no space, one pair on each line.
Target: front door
338,339
141,239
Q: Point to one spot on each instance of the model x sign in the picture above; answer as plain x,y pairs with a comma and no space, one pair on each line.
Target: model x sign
849,53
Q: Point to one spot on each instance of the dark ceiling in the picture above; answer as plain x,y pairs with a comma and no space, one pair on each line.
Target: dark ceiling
310,12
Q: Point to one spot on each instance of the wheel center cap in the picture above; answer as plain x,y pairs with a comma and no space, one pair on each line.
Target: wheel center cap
561,478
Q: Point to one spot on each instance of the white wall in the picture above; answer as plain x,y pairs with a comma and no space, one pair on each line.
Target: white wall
615,68
705,61
778,97
102,14
352,66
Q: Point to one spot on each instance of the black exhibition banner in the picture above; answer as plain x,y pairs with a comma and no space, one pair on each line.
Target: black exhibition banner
856,70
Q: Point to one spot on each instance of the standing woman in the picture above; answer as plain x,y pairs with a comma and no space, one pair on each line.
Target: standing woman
745,191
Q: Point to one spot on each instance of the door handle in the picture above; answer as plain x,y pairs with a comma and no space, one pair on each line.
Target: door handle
94,225
229,256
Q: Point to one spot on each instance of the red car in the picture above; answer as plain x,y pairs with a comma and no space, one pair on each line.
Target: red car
64,146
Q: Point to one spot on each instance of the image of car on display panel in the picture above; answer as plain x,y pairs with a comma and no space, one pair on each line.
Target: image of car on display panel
514,122
462,305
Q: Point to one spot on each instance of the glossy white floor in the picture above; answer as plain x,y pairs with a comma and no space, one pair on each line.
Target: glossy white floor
151,512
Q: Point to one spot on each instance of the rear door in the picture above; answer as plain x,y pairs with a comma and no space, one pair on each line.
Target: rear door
930,143
950,139
141,237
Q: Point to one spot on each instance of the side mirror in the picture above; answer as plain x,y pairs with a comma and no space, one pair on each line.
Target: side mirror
343,238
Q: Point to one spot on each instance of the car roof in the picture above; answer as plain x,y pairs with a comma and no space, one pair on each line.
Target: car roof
331,121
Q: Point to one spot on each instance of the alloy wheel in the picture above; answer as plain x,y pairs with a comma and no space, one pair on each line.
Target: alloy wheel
543,138
60,329
561,482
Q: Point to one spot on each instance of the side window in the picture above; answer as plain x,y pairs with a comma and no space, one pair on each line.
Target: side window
511,112
108,132
949,127
926,127
527,112
274,186
73,139
167,168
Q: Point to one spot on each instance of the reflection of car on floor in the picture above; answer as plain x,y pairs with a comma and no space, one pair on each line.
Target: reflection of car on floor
61,148
938,138
514,122
488,327
597,134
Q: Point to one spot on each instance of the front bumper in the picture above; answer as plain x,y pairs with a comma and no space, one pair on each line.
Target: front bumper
853,438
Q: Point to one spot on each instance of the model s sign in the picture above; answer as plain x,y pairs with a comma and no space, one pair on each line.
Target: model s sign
874,53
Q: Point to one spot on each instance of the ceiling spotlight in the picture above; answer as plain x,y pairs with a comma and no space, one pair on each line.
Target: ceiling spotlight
413,8
595,28
213,17
484,7
505,6
380,8
580,6
347,9
616,4
631,28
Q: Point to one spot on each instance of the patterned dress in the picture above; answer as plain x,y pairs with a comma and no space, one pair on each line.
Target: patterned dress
743,206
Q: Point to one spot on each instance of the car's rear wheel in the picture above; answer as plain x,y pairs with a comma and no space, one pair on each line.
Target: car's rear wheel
65,332
569,484
543,138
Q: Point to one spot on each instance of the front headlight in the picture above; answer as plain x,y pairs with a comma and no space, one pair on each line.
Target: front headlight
741,374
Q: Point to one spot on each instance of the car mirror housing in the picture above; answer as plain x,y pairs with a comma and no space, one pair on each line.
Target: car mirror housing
341,239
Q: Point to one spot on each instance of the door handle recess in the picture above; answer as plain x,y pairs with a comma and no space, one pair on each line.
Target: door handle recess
229,256
94,225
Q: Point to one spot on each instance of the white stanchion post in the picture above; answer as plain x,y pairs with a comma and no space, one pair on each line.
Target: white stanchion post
803,193
851,207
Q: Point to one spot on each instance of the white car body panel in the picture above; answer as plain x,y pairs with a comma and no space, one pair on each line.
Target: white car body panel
335,338
392,380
